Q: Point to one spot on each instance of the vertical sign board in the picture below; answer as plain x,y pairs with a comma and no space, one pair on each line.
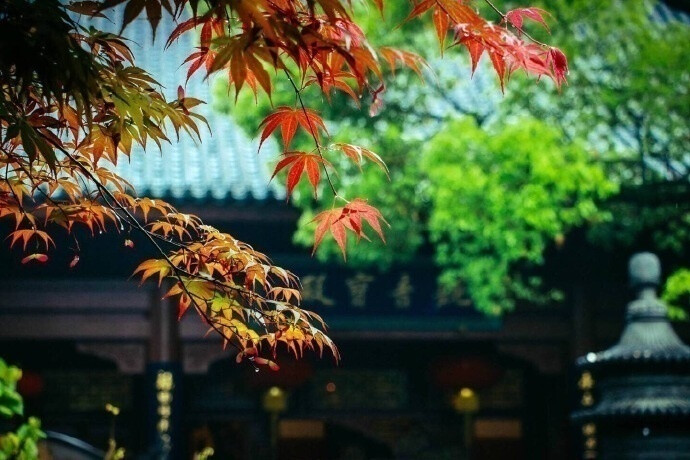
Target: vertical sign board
163,385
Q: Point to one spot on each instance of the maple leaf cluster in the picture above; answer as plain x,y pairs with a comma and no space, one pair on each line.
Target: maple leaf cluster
73,103
507,51
348,217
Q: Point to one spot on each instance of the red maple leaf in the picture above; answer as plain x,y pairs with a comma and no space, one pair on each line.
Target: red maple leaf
393,56
42,258
357,155
441,24
288,119
300,162
516,17
349,217
75,261
559,64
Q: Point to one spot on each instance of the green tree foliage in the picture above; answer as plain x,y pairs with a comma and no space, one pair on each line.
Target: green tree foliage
488,200
21,443
677,294
498,199
629,85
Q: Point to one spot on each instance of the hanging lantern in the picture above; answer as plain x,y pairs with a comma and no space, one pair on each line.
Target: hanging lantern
475,372
31,384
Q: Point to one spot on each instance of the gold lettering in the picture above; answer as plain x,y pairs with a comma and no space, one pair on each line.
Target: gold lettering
164,411
586,381
358,286
455,297
164,380
164,397
312,290
163,425
402,294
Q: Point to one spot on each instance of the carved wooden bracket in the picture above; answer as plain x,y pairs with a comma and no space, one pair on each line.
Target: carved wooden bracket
198,357
547,359
130,358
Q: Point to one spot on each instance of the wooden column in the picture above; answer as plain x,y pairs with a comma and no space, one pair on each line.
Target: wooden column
582,322
163,381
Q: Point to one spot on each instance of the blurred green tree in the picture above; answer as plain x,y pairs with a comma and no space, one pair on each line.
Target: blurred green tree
498,200
629,98
677,294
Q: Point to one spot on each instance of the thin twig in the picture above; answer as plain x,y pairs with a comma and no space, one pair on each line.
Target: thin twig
519,29
313,131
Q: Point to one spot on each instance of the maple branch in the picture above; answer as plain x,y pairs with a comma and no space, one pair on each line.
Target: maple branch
184,247
7,180
298,93
495,8
53,202
178,272
120,219
36,187
519,29
133,220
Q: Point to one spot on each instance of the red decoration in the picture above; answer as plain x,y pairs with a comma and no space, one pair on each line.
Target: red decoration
465,371
30,385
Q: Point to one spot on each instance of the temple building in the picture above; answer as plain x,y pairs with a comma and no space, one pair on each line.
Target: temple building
423,374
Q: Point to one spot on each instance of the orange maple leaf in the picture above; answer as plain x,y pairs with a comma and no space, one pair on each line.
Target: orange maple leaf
357,155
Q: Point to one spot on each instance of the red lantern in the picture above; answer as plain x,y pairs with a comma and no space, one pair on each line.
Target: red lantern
475,372
30,385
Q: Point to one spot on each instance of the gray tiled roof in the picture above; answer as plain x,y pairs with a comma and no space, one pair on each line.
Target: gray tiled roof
225,165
